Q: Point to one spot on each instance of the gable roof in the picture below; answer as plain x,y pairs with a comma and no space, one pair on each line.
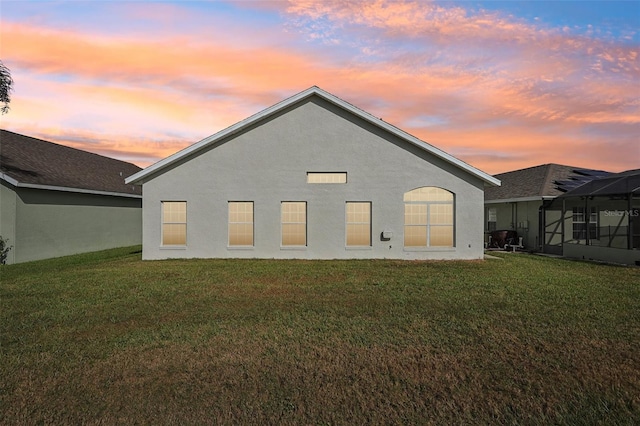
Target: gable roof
34,163
545,181
139,177
624,183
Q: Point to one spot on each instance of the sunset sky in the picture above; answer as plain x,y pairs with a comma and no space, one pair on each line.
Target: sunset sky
501,85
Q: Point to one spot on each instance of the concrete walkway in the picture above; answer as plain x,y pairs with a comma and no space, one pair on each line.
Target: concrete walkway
490,257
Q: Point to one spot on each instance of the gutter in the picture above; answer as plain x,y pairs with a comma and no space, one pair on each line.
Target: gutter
520,200
17,184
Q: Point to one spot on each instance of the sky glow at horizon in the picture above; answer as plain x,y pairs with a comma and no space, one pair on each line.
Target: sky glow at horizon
500,85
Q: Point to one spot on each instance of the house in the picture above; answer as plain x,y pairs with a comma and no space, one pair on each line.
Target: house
56,200
599,220
518,205
312,177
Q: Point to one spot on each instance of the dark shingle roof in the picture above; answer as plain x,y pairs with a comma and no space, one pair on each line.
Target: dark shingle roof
624,183
31,161
547,180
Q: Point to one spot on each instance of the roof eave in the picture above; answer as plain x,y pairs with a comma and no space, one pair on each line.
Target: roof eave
9,179
138,178
17,184
487,178
519,200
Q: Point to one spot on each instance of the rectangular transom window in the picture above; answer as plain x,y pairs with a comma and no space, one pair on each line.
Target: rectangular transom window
294,224
174,223
333,177
241,223
358,224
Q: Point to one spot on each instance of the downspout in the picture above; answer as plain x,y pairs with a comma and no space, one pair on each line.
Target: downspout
14,242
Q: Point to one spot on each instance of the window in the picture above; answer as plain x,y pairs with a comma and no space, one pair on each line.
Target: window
358,224
580,224
240,224
294,224
174,223
492,218
313,177
428,218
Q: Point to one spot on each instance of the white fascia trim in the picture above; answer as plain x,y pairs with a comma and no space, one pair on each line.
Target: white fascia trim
9,179
65,189
519,200
487,178
139,177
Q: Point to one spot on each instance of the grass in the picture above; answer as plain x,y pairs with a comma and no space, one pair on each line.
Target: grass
105,338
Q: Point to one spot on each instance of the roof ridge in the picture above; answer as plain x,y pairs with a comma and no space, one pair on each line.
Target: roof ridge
547,165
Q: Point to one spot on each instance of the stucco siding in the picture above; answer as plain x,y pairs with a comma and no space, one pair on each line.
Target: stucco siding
8,218
55,223
268,164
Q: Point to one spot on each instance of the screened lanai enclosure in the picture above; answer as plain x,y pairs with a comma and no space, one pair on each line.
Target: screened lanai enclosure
599,220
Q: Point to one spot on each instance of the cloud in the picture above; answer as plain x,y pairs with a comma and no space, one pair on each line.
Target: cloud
151,62
517,67
495,90
153,87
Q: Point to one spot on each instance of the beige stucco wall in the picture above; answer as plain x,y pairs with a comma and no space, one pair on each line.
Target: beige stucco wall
56,223
268,164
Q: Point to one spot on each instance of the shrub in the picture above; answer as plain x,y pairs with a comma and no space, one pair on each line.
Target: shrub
4,250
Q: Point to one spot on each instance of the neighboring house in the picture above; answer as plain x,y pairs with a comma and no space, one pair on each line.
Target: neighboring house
312,177
519,203
599,220
56,200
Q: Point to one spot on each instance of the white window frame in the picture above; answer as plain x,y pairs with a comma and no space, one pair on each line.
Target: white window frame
305,223
428,222
327,177
579,217
347,223
229,223
492,219
164,222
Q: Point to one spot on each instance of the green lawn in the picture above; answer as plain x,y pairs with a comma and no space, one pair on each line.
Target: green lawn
107,338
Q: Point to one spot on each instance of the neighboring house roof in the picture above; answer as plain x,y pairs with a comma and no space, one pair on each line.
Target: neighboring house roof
140,177
546,181
624,183
33,163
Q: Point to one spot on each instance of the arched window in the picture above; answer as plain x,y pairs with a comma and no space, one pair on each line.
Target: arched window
428,217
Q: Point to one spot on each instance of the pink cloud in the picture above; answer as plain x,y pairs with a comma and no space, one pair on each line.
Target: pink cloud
494,55
496,91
